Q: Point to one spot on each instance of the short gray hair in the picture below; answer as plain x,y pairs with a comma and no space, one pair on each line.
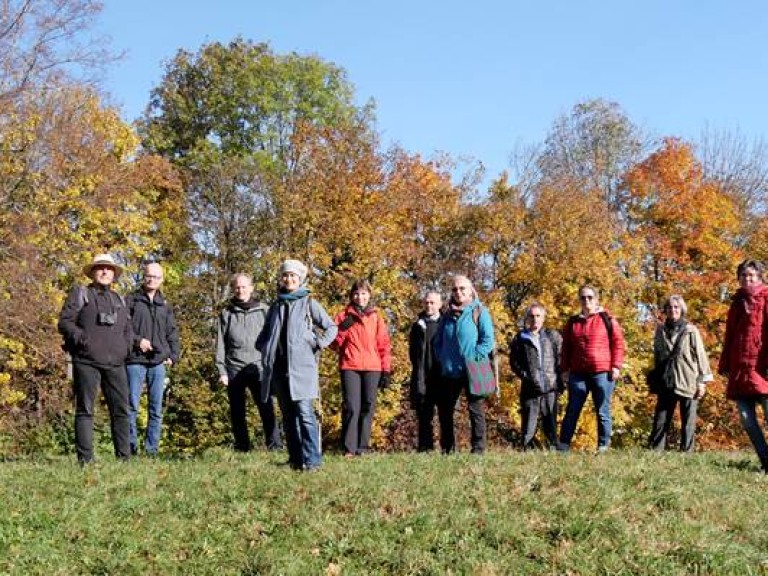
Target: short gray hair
236,275
532,307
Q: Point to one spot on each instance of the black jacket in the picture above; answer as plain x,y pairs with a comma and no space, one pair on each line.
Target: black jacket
524,360
90,340
423,362
153,320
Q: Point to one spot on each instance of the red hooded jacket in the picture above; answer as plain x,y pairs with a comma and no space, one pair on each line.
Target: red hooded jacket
365,345
746,344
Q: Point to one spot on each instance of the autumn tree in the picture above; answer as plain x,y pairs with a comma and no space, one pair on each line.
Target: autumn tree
71,187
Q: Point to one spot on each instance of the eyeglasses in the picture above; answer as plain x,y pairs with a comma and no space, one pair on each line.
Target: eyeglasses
460,289
587,297
152,277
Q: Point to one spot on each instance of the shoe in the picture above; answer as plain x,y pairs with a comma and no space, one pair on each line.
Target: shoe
312,469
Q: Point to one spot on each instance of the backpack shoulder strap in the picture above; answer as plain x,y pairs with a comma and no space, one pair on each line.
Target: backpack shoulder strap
608,325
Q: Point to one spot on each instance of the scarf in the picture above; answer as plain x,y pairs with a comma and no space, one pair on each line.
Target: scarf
674,327
251,303
297,294
363,311
455,309
749,295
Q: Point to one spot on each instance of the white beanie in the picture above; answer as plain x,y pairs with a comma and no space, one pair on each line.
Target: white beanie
296,267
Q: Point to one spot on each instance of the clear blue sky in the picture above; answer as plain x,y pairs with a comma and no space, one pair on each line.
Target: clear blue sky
475,78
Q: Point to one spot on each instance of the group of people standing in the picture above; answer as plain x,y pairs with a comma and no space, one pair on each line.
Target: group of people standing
273,351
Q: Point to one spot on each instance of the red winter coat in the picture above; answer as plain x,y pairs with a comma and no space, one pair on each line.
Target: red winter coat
587,348
365,345
746,344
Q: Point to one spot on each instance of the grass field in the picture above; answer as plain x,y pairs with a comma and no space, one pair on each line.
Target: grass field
626,512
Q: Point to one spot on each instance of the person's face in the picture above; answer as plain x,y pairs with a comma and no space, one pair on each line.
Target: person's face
290,281
588,301
749,277
462,291
432,304
674,310
535,320
103,274
242,289
153,277
361,297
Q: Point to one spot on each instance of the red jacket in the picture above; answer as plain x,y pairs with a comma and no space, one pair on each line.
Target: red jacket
746,344
587,348
365,345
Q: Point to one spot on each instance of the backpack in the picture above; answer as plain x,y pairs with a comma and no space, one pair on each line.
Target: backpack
493,356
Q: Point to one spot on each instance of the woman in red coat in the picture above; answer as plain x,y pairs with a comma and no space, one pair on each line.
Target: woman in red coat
745,353
365,362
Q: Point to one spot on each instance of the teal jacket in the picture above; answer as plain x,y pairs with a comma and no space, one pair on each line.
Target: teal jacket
460,338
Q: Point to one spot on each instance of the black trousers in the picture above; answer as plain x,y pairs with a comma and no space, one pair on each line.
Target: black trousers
449,392
358,389
114,382
237,388
662,421
425,416
531,410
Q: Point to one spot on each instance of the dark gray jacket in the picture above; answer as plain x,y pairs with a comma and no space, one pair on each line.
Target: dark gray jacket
424,366
537,364
105,343
309,330
238,329
153,320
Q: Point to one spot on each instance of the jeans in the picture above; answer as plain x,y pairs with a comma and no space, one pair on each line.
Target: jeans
358,390
302,433
579,386
748,416
155,379
662,420
114,382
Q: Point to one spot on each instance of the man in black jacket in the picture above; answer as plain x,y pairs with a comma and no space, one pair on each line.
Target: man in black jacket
535,358
157,349
98,335
425,373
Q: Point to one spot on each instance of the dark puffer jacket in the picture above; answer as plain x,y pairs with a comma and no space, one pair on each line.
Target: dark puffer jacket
153,320
537,365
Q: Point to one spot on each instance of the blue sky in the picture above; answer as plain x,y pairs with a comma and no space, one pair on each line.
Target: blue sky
476,78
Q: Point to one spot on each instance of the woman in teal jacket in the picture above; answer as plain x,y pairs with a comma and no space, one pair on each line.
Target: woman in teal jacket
465,335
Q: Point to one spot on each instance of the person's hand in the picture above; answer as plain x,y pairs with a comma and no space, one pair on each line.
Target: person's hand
145,345
347,322
224,380
615,373
168,362
385,381
701,390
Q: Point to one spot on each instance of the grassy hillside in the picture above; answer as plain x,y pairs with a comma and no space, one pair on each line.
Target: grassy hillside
504,513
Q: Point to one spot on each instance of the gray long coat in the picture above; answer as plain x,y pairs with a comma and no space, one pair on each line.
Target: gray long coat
310,329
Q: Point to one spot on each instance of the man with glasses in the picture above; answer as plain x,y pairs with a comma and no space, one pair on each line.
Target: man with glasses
157,349
592,358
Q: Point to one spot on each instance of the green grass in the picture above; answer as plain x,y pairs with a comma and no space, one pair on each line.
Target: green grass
627,512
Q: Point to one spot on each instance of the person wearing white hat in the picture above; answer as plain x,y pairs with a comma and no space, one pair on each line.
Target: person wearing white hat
296,329
98,335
